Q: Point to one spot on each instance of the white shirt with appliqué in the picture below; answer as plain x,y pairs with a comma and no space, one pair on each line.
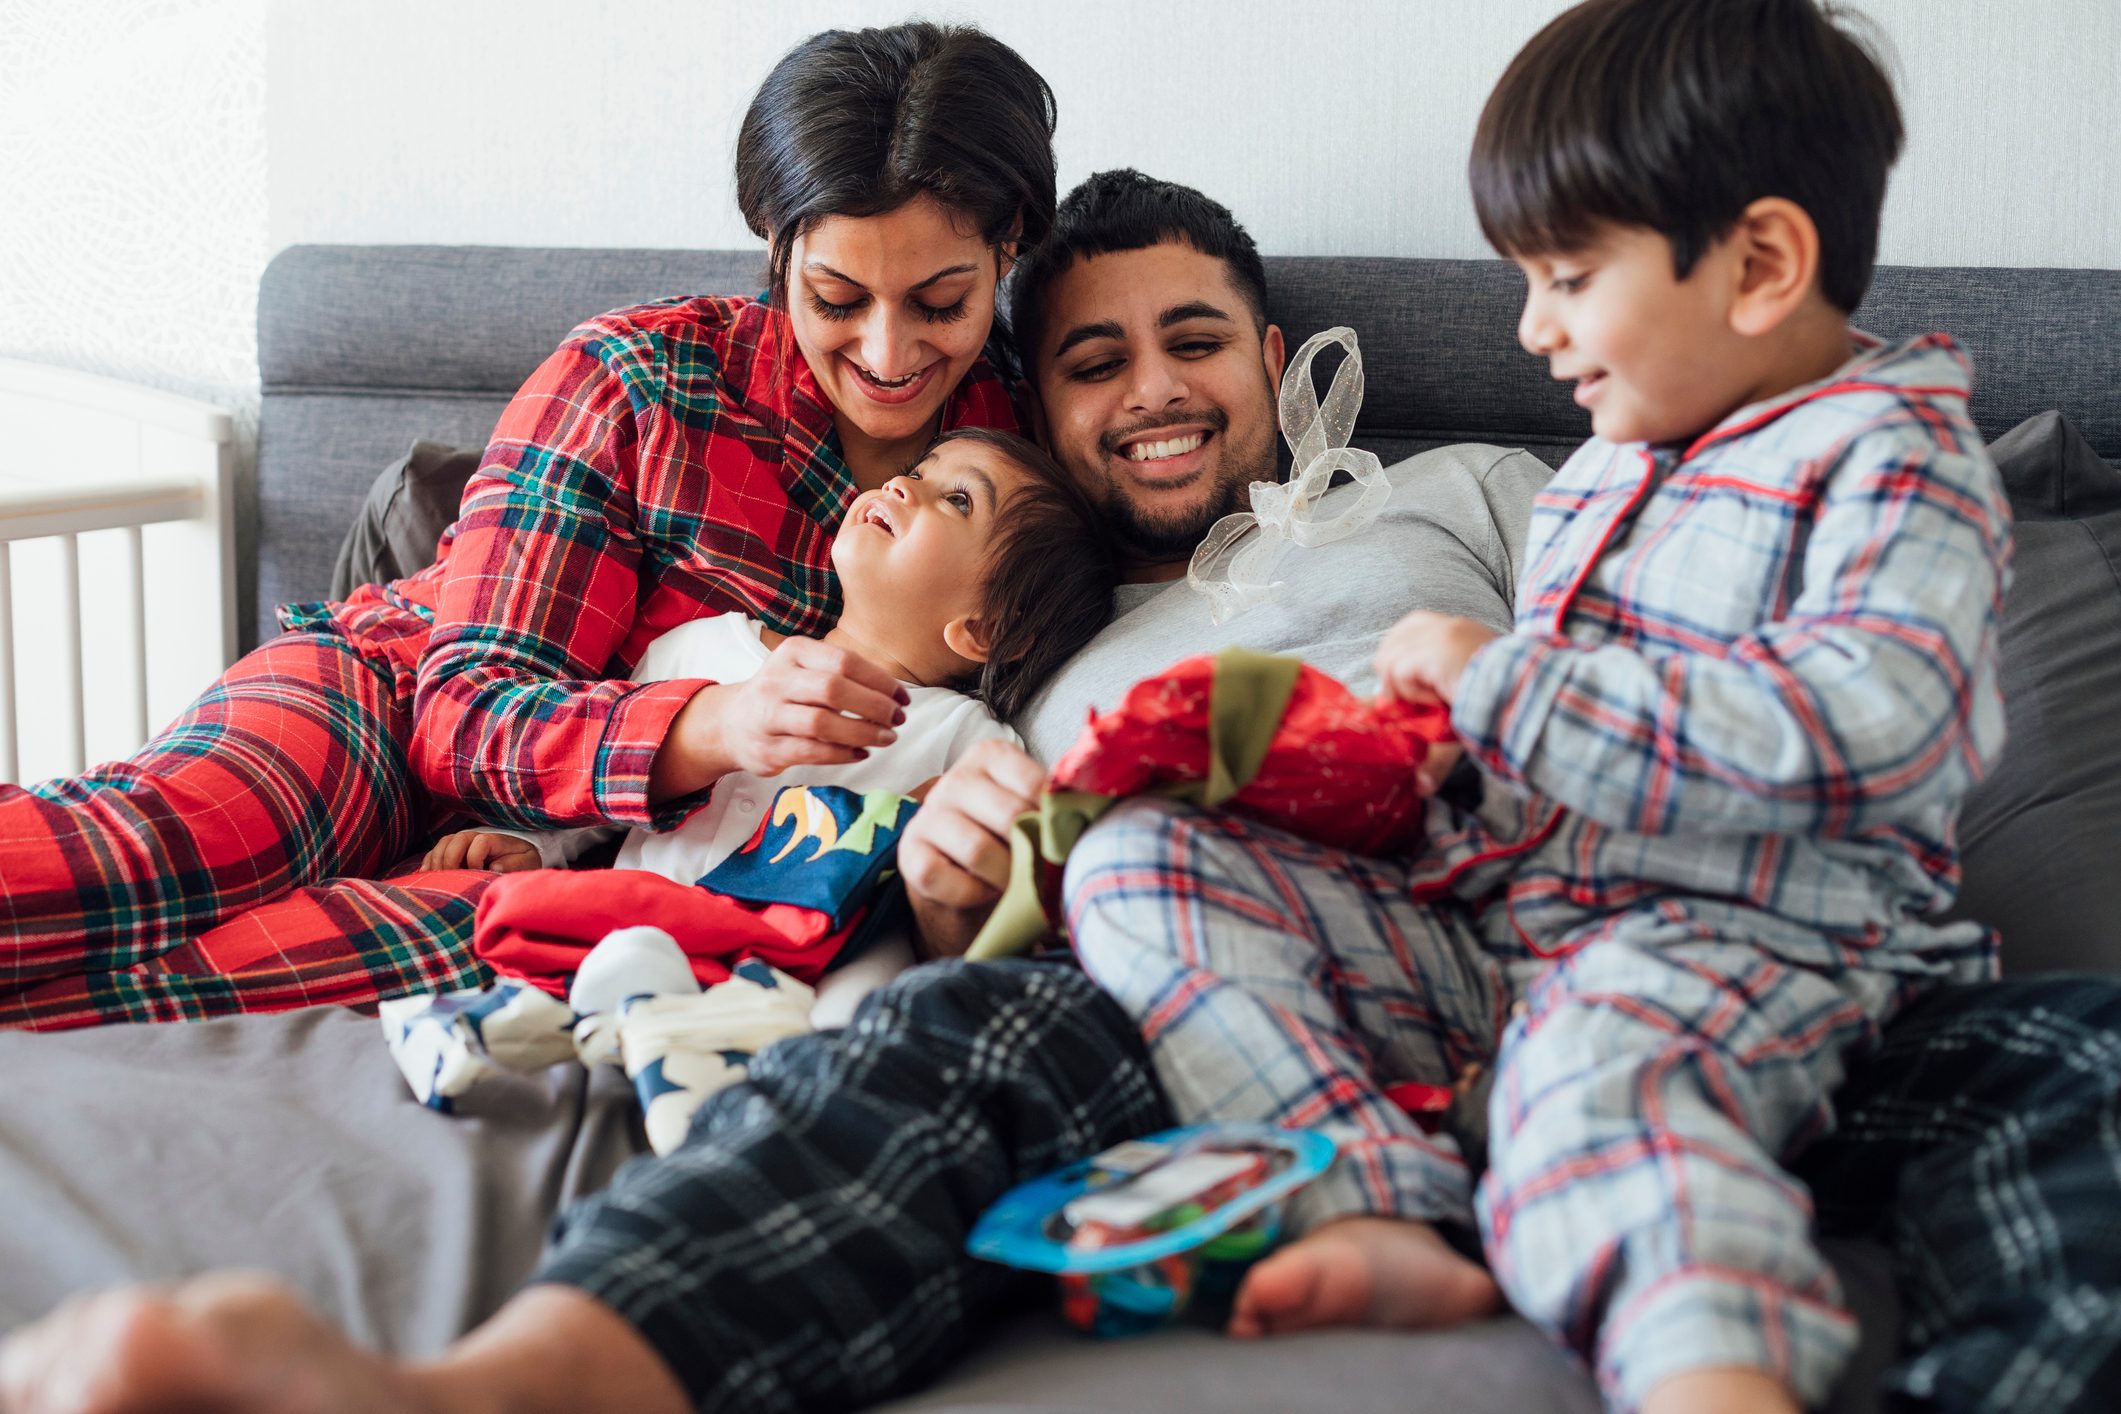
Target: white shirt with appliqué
941,725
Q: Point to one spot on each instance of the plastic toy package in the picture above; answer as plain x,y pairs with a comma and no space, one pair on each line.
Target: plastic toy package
1157,1227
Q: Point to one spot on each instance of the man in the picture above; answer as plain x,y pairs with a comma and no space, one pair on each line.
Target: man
805,1248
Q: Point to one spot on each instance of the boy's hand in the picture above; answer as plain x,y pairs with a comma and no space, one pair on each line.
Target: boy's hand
954,855
1424,655
482,849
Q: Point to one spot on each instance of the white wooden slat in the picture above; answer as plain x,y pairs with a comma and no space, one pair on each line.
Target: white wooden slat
70,617
10,725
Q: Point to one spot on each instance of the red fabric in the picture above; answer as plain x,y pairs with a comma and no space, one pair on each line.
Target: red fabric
1340,770
670,460
344,942
539,925
289,770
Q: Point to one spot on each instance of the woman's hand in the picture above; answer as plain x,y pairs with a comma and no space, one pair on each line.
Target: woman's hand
482,849
954,855
809,704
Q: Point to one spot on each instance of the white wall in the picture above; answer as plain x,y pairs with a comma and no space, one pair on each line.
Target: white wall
1333,126
132,189
132,234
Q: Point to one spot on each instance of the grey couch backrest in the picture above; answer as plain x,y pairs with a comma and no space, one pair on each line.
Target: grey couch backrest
361,349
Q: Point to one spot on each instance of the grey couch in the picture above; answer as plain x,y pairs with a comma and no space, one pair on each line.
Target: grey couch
364,349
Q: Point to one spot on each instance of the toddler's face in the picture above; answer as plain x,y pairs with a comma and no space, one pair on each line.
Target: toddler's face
1653,357
916,547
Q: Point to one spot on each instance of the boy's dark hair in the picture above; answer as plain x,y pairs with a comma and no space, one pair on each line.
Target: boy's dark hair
1676,115
859,122
1050,574
1123,210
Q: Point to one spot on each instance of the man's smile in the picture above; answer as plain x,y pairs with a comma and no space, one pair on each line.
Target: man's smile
1166,456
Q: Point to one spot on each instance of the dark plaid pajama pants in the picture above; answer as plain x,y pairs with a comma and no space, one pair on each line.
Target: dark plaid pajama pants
1982,1142
202,876
805,1249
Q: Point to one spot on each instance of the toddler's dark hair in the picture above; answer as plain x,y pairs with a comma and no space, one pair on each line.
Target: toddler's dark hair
1676,115
1049,574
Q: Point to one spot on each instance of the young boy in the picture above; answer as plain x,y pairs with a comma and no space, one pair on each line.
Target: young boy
970,578
1752,676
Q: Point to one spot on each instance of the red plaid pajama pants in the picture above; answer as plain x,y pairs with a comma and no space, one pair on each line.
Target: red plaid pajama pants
210,873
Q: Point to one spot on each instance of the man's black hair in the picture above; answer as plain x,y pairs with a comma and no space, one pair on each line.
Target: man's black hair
1123,210
1676,115
1049,574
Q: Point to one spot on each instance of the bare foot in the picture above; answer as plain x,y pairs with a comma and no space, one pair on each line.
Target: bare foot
1720,1390
1363,1271
229,1344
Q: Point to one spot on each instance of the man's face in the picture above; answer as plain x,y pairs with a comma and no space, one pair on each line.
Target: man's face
1158,391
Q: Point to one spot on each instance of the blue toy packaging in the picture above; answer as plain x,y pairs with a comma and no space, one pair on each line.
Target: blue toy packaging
1154,1227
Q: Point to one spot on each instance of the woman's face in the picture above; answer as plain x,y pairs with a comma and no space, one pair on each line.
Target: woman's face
890,311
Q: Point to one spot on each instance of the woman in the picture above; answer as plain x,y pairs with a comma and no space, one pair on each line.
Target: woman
677,459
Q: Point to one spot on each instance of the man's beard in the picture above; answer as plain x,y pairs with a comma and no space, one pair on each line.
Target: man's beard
1151,535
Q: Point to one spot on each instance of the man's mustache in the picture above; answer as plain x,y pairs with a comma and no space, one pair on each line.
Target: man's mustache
1214,418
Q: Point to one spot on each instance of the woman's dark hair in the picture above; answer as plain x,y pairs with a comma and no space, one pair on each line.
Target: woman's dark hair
1676,115
1122,210
1050,574
859,122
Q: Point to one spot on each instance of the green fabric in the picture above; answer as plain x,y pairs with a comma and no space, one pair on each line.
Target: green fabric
1246,699
1245,702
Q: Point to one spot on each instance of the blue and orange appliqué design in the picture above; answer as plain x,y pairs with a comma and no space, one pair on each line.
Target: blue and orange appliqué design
819,847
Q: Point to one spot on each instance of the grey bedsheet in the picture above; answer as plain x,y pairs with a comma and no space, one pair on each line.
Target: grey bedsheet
289,1144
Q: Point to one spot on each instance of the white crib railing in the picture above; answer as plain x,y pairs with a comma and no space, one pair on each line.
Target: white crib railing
117,531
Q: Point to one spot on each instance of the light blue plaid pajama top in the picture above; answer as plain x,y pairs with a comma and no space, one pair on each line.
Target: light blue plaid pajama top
1751,680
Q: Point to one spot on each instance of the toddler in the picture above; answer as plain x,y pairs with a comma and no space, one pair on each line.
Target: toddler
969,578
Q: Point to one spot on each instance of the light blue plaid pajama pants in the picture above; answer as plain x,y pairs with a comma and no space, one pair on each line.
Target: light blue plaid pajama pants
1648,1084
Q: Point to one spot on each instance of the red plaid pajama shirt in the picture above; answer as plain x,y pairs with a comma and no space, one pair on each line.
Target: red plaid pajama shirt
668,461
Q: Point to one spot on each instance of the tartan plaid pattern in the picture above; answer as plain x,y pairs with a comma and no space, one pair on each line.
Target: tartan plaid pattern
1760,670
1982,1141
804,1249
1274,978
291,768
1646,1085
669,461
344,942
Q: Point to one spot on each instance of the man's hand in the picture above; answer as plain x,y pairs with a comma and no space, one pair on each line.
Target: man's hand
954,855
482,849
1424,655
809,704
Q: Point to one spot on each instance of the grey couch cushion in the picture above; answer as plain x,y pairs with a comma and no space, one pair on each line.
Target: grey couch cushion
2037,837
412,502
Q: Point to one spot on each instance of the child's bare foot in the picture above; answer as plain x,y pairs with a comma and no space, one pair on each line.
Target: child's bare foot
1720,1390
1363,1271
223,1343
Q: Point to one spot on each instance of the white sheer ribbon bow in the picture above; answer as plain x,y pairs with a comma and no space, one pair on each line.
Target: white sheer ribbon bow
1238,576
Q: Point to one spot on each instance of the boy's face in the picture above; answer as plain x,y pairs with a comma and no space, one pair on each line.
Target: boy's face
1653,357
1158,390
911,554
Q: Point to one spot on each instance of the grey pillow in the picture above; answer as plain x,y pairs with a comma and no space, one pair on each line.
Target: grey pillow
411,503
2038,837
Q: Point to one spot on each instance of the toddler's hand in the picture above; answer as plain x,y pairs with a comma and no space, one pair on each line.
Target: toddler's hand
482,849
1424,655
